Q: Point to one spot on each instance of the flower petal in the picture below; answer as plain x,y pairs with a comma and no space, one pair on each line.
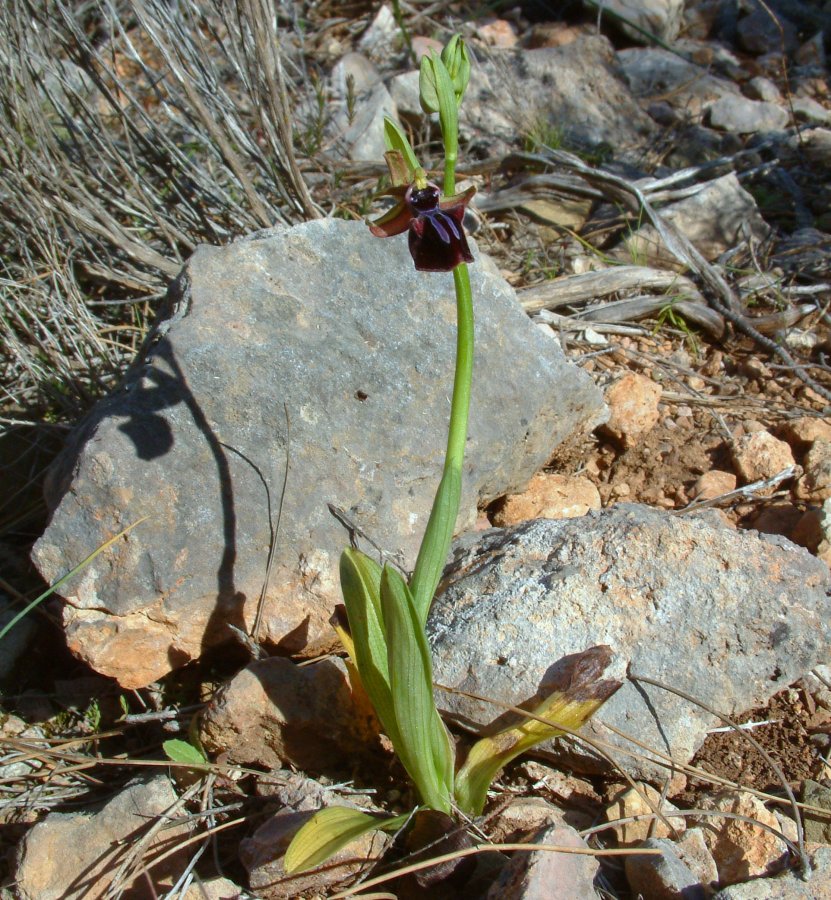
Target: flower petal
458,199
394,221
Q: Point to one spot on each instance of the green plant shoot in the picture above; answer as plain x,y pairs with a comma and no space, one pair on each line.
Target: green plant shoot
386,638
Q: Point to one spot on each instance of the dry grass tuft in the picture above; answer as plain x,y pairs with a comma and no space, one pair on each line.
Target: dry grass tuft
129,132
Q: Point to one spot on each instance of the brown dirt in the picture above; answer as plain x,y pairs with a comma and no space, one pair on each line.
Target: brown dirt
793,718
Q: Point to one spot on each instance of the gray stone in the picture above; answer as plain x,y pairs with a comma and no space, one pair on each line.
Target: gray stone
716,218
812,143
653,72
377,40
543,874
364,135
663,877
19,766
692,850
338,326
660,18
761,88
360,101
817,826
575,89
788,886
730,617
806,109
81,854
759,32
806,251
405,93
742,116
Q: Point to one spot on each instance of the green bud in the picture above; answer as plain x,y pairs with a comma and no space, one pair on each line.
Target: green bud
457,62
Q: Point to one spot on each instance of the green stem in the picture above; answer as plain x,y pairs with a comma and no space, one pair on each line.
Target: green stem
450,176
460,405
438,535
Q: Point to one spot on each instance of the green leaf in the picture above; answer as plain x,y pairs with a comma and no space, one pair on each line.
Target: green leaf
425,749
571,708
435,545
395,139
360,580
182,752
330,830
427,90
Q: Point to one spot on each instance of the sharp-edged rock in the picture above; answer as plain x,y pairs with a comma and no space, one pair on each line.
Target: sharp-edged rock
322,344
729,617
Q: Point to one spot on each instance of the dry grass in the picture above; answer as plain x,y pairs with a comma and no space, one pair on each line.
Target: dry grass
129,132
40,774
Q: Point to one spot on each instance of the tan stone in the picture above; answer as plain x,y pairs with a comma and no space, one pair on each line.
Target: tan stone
633,407
77,855
566,212
692,848
549,497
802,432
760,455
214,889
553,34
632,803
274,713
808,530
713,484
423,46
523,817
263,855
497,33
815,484
778,518
741,849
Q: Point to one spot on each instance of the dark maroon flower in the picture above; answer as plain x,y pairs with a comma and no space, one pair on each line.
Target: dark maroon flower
436,235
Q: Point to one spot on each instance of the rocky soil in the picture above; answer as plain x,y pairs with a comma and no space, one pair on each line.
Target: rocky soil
650,465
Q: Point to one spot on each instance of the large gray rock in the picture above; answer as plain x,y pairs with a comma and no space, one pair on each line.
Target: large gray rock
729,617
338,326
576,90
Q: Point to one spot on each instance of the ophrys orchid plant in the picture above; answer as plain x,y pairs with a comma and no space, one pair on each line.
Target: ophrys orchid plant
385,637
